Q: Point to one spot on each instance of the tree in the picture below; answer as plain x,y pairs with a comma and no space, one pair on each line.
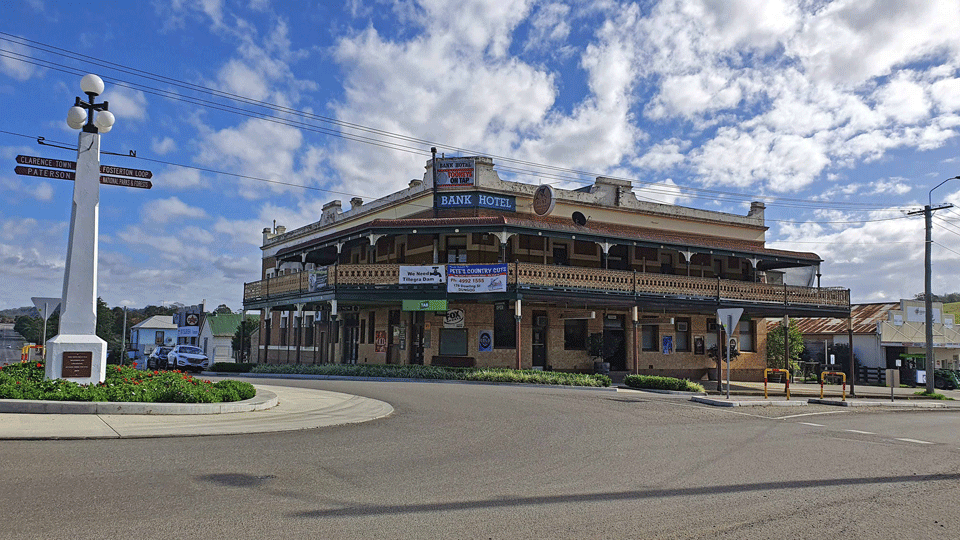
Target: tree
241,339
106,330
222,308
775,347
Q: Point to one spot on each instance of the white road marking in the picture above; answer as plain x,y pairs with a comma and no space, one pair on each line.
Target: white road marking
860,432
810,424
807,414
915,441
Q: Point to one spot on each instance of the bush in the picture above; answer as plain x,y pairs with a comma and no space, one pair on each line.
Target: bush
25,380
662,383
232,367
526,376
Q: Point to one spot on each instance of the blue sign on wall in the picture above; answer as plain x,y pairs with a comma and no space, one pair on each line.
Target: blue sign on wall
475,199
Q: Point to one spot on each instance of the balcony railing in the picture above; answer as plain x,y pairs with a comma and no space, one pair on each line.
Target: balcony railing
568,278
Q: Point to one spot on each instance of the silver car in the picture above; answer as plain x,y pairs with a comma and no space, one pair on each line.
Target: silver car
187,358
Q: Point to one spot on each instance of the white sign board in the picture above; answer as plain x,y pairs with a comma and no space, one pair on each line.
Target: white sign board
476,278
46,306
418,275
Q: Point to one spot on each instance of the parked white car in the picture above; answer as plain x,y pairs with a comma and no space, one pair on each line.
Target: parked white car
187,358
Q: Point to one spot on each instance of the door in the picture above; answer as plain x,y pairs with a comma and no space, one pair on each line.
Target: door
539,339
416,337
614,342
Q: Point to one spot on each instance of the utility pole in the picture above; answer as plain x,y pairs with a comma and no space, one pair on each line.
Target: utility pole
929,360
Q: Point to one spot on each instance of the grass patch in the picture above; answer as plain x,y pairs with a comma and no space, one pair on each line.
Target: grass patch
25,380
500,375
662,383
932,395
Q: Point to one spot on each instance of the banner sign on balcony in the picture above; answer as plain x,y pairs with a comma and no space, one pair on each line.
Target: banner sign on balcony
418,275
424,305
477,200
476,278
318,279
455,172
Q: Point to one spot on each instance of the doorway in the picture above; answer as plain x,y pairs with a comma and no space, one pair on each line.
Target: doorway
614,342
416,337
538,340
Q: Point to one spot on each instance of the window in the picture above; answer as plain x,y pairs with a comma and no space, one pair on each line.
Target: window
453,342
363,330
373,322
308,334
504,326
283,330
456,249
651,337
682,335
296,330
746,335
575,334
158,338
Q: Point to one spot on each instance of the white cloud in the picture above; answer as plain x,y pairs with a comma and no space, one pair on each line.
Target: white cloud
172,210
126,104
179,178
163,146
12,66
40,190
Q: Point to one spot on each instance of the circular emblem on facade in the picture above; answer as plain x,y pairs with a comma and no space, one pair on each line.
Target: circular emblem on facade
192,319
543,200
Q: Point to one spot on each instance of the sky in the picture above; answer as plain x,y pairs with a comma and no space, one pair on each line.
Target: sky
840,116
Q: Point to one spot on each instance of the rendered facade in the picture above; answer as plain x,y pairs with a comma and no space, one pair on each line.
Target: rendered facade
486,272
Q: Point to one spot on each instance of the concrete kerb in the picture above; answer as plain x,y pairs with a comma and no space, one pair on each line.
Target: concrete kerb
265,399
720,402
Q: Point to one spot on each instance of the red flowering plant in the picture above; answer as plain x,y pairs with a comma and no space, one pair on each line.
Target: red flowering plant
27,381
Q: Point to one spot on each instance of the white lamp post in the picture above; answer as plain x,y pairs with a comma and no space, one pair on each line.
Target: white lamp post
76,353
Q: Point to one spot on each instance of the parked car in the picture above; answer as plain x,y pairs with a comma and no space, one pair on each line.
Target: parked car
158,358
187,358
945,379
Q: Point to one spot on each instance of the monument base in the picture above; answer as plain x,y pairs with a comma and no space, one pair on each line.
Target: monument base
78,358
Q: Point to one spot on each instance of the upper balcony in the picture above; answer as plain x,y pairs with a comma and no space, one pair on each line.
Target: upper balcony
532,279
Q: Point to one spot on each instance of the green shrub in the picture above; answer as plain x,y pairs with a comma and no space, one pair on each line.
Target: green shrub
232,367
932,395
25,380
502,375
662,383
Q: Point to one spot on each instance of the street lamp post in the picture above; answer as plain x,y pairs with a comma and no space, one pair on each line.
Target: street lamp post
927,294
76,353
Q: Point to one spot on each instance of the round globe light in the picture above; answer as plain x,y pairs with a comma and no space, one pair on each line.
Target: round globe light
91,84
104,121
103,130
76,117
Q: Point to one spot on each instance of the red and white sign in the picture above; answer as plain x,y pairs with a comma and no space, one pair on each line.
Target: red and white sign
455,172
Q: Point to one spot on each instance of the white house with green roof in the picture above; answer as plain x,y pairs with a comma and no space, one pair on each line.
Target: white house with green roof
216,335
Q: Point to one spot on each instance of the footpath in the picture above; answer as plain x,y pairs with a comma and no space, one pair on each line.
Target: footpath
747,394
275,408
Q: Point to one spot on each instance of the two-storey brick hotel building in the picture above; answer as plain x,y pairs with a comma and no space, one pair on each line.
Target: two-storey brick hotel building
485,272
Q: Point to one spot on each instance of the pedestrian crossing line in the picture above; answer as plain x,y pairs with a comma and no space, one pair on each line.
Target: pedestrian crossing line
915,441
860,432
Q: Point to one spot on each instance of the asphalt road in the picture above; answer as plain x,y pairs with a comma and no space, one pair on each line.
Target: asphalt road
10,344
487,461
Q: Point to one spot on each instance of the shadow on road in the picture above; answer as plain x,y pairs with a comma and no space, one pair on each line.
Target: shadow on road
372,510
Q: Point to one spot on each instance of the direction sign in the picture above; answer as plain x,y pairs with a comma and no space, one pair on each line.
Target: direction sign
46,162
123,171
69,175
72,165
45,173
729,318
126,182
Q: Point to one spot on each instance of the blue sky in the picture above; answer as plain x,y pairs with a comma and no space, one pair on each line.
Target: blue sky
841,116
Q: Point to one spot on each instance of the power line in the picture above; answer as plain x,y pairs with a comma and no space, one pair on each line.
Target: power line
686,191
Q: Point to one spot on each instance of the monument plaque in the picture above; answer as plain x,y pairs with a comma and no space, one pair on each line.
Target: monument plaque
76,364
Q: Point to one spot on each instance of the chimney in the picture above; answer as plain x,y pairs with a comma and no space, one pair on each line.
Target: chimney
267,234
356,202
756,210
281,229
330,211
416,183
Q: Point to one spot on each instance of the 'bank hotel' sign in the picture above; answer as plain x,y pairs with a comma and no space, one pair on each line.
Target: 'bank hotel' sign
477,199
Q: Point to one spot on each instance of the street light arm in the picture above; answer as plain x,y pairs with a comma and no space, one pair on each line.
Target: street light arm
930,196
